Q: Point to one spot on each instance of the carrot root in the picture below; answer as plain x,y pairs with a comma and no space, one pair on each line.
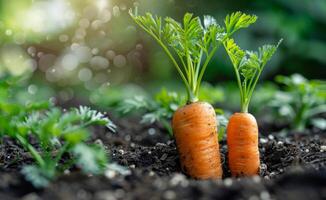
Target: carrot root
195,132
242,141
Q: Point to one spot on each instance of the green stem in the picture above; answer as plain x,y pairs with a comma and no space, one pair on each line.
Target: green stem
251,90
32,150
198,66
61,152
299,121
240,86
243,107
202,71
316,110
169,55
168,127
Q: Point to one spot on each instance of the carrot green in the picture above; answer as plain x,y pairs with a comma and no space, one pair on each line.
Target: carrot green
248,66
191,45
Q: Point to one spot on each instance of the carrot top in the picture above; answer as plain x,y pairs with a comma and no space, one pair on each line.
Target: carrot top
248,66
191,45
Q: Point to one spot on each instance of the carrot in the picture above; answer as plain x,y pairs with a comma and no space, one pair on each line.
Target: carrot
242,141
195,131
194,125
242,130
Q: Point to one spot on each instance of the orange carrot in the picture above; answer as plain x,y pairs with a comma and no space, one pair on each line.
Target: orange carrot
195,131
242,130
242,141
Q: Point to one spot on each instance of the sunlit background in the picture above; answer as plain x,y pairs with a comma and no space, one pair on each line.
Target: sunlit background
90,51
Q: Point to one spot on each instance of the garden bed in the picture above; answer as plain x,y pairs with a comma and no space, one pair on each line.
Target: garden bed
292,167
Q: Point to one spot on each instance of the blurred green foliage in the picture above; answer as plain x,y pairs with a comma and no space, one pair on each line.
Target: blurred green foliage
47,133
301,103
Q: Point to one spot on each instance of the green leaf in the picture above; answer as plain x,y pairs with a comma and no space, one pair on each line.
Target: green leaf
90,158
169,100
155,116
319,123
235,53
211,94
187,36
136,103
267,51
209,21
238,20
249,65
92,117
34,106
76,136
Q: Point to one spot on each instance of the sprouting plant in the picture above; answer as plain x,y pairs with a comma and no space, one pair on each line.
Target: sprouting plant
60,133
242,129
94,117
56,140
301,103
157,109
248,66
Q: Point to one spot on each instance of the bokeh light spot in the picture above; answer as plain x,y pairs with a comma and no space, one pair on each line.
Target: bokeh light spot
119,61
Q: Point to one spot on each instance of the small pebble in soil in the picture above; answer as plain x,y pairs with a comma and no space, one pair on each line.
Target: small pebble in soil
151,173
151,131
121,151
263,168
264,195
132,166
228,182
272,174
169,194
119,193
179,179
110,173
104,195
67,171
253,198
323,148
127,137
83,194
256,179
263,140
31,196
164,156
99,142
307,150
271,137
279,143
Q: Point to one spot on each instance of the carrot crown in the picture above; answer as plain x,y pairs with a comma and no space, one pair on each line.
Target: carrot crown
190,45
248,66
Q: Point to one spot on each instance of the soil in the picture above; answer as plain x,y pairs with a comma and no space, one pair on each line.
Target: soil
292,167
